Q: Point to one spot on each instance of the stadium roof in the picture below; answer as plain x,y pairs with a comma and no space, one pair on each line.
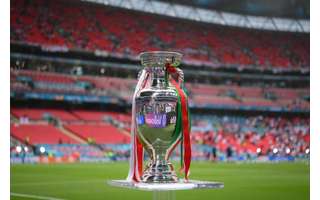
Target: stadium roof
211,16
296,9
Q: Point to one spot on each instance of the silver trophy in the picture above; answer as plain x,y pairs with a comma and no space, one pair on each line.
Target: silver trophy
157,125
156,116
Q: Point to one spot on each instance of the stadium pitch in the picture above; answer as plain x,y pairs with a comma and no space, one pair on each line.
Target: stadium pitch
245,181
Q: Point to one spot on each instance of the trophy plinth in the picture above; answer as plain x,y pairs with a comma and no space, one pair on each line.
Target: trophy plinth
166,191
180,185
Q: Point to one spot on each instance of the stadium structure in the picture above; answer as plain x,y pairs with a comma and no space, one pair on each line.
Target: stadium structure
74,66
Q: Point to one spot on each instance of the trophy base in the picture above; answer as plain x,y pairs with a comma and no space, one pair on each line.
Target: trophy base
159,173
180,185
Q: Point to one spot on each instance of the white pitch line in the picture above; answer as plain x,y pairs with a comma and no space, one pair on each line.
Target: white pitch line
34,196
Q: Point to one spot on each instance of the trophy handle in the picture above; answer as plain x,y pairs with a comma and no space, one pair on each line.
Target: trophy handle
178,77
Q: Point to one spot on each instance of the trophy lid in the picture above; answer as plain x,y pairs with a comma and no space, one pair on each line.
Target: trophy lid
160,58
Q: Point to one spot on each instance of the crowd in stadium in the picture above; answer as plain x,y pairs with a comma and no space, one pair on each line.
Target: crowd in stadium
89,27
257,135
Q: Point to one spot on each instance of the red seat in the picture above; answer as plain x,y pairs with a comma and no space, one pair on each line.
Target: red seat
101,134
37,114
204,44
39,134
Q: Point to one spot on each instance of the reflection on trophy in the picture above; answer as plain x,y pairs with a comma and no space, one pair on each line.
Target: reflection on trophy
160,120
156,116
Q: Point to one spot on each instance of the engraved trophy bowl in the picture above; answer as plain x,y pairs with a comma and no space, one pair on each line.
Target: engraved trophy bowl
156,116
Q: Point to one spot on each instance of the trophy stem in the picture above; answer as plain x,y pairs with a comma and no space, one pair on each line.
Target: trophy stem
164,195
159,171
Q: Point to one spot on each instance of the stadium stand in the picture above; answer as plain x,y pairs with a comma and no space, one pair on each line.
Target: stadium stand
249,136
43,23
201,94
100,134
38,114
66,150
39,134
91,115
101,116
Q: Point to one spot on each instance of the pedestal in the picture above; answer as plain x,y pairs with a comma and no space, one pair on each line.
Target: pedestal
166,191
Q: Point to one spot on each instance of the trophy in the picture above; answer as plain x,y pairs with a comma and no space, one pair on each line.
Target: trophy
157,112
160,118
160,121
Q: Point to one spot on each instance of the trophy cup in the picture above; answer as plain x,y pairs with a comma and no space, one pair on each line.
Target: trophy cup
160,121
156,116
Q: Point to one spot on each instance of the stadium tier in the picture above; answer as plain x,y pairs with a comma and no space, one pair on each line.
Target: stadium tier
69,116
69,25
248,134
39,134
72,95
91,116
66,150
200,94
254,136
99,116
38,114
100,134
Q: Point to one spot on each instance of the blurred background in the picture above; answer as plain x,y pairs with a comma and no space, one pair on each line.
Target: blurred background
74,67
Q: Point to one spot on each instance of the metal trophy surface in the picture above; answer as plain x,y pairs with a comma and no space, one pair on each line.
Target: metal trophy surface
156,117
160,121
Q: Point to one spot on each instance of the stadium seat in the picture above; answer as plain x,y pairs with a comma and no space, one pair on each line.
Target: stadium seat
39,134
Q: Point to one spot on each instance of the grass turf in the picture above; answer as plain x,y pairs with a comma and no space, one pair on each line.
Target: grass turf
88,181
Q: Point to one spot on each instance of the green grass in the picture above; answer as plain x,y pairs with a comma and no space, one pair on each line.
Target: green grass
88,181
